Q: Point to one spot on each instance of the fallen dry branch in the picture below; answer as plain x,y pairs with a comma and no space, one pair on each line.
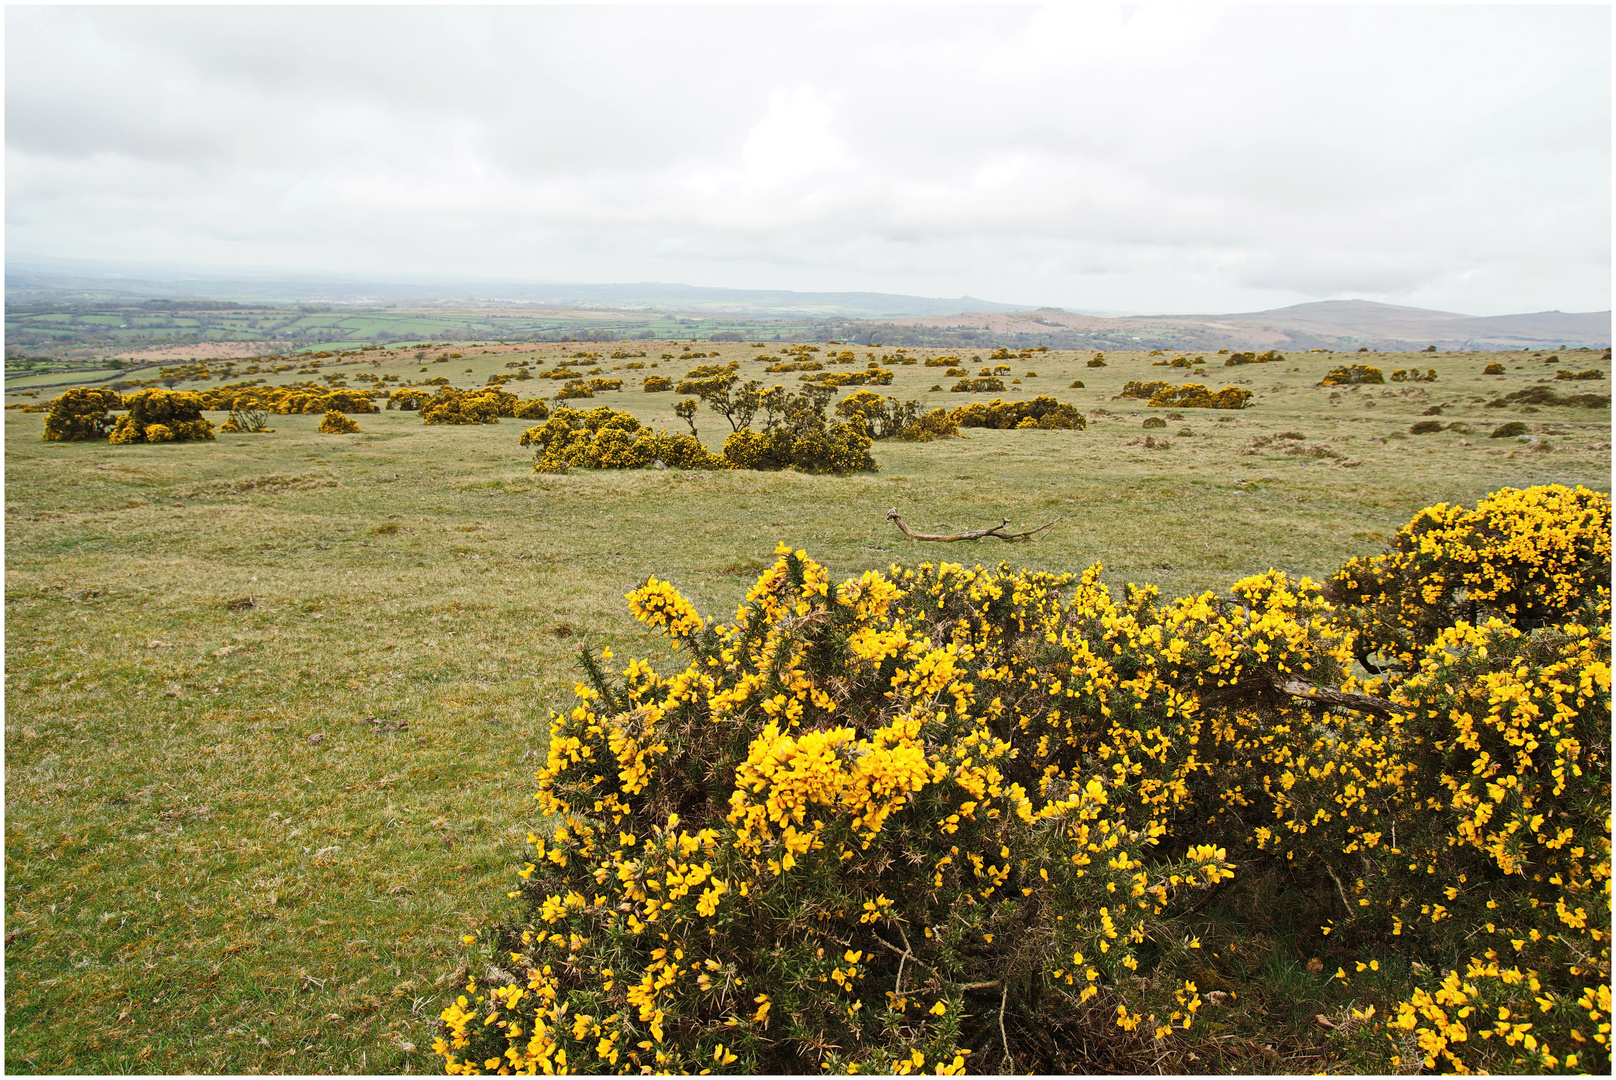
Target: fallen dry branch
996,531
1363,703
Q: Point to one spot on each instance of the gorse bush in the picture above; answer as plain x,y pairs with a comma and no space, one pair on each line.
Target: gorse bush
162,416
295,399
604,438
944,818
797,434
889,418
1042,411
247,421
1494,368
481,406
336,423
1353,374
1133,388
1239,358
81,415
1196,396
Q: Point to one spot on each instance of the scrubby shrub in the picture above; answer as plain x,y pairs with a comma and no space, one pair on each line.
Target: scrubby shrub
1544,395
1196,396
1044,412
949,817
797,434
1426,427
887,418
408,398
1509,430
162,416
247,420
835,379
604,438
1414,375
943,361
656,384
1239,358
1352,374
81,415
1154,422
1076,384
483,406
1591,373
531,409
1494,368
981,385
336,423
1133,388
294,399
956,373
1098,361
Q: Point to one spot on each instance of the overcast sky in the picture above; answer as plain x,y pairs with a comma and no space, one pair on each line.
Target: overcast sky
1092,158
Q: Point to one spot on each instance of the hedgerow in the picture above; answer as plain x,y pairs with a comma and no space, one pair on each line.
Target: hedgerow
161,416
944,818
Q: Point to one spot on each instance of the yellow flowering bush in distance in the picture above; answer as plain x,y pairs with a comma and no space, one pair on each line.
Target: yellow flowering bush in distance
161,416
605,438
946,818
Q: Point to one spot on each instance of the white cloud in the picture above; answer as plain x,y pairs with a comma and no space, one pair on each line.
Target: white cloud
1122,158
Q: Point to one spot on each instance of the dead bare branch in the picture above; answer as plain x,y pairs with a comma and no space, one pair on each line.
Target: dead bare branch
996,531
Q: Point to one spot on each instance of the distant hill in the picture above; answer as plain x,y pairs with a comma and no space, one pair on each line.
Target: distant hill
865,317
69,281
1329,324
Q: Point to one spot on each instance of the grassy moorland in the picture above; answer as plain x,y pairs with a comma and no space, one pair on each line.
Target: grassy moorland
274,701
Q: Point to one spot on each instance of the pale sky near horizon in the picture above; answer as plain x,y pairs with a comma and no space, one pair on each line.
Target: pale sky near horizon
1088,157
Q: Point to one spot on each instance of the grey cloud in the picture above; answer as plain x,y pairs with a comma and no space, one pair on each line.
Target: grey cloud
1087,159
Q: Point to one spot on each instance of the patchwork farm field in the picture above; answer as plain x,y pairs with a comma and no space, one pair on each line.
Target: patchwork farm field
275,701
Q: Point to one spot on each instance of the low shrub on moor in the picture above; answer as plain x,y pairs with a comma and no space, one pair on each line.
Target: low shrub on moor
947,817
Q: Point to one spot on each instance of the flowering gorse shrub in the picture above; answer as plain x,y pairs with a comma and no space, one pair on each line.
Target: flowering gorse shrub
481,406
297,398
336,423
604,438
161,416
944,818
1042,411
889,418
1196,396
1350,374
81,415
1133,388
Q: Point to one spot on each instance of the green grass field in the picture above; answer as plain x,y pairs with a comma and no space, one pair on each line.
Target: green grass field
248,838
